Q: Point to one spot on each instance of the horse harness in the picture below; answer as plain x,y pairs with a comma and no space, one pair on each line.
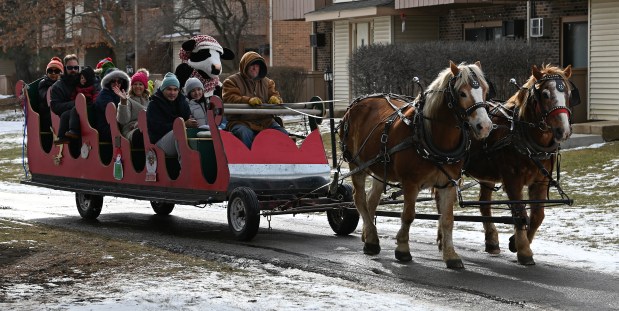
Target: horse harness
421,139
519,136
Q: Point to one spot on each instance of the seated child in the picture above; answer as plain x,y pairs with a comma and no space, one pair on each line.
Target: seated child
194,90
90,90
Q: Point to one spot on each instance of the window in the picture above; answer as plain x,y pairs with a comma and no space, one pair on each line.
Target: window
575,37
483,31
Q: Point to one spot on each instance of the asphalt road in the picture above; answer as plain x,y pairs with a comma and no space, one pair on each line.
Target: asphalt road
306,242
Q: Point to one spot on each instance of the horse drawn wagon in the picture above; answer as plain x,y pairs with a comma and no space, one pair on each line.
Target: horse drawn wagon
413,143
276,176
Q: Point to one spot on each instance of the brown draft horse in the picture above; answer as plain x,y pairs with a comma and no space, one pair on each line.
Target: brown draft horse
419,144
522,150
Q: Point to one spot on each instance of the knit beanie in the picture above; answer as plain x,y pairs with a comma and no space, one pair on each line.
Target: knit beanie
202,42
140,77
169,80
89,75
191,84
105,64
55,63
104,61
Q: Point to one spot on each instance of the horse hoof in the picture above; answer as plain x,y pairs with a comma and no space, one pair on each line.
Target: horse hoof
371,249
526,260
403,256
493,248
512,244
454,264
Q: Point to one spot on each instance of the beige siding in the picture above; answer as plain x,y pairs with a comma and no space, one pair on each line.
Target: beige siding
604,60
382,30
341,55
417,28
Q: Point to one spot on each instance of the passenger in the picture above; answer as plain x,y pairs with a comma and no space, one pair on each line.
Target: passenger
194,90
61,95
102,66
130,106
90,90
151,84
53,72
114,80
164,107
251,86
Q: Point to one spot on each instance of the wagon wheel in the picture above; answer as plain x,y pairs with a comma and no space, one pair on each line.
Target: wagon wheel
243,213
343,221
88,205
162,208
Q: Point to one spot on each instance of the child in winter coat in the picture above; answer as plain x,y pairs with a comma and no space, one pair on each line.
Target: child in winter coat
194,90
89,89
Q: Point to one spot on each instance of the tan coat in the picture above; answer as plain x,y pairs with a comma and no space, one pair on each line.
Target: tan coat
239,88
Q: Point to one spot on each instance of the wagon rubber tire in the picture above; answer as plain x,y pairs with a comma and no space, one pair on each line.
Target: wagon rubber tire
162,208
89,205
243,213
343,221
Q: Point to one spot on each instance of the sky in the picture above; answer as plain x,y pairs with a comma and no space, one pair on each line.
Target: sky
593,247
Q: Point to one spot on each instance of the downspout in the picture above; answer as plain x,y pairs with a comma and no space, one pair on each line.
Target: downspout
135,35
270,33
528,23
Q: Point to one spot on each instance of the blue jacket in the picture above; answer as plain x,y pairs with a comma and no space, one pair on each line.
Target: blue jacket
161,113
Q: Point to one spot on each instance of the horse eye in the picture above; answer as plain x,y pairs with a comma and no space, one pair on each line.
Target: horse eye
546,95
462,94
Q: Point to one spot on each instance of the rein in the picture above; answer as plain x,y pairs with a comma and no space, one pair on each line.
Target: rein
421,138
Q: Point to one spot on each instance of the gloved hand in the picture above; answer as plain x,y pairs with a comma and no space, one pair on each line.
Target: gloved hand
255,101
274,100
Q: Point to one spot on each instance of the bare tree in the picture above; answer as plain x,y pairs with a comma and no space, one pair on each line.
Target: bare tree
21,33
229,21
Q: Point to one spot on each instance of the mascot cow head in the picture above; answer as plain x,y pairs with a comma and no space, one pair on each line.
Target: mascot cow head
201,58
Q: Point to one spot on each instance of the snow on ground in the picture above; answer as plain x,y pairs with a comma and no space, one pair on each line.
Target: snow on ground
592,245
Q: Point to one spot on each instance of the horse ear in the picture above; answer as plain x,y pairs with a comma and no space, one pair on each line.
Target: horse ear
454,68
568,71
536,73
478,64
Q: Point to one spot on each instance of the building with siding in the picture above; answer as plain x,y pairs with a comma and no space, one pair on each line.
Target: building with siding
578,32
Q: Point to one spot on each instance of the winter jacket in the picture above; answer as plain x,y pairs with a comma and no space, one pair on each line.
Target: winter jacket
198,110
239,88
106,97
161,113
127,115
62,90
44,112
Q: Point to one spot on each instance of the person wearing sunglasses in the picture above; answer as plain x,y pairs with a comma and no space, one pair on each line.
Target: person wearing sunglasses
62,99
54,70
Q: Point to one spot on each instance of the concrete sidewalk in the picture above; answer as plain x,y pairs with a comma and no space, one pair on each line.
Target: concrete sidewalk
585,134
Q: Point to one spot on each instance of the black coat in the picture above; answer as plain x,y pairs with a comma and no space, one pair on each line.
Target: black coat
60,96
161,113
44,112
105,97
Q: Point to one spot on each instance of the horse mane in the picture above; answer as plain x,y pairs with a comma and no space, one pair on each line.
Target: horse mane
520,98
438,87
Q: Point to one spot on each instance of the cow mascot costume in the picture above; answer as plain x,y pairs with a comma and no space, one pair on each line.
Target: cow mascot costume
201,58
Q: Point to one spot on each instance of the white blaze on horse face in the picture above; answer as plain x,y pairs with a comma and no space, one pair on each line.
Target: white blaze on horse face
560,123
479,120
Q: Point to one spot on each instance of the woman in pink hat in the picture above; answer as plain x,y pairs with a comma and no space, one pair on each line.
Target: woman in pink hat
129,108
